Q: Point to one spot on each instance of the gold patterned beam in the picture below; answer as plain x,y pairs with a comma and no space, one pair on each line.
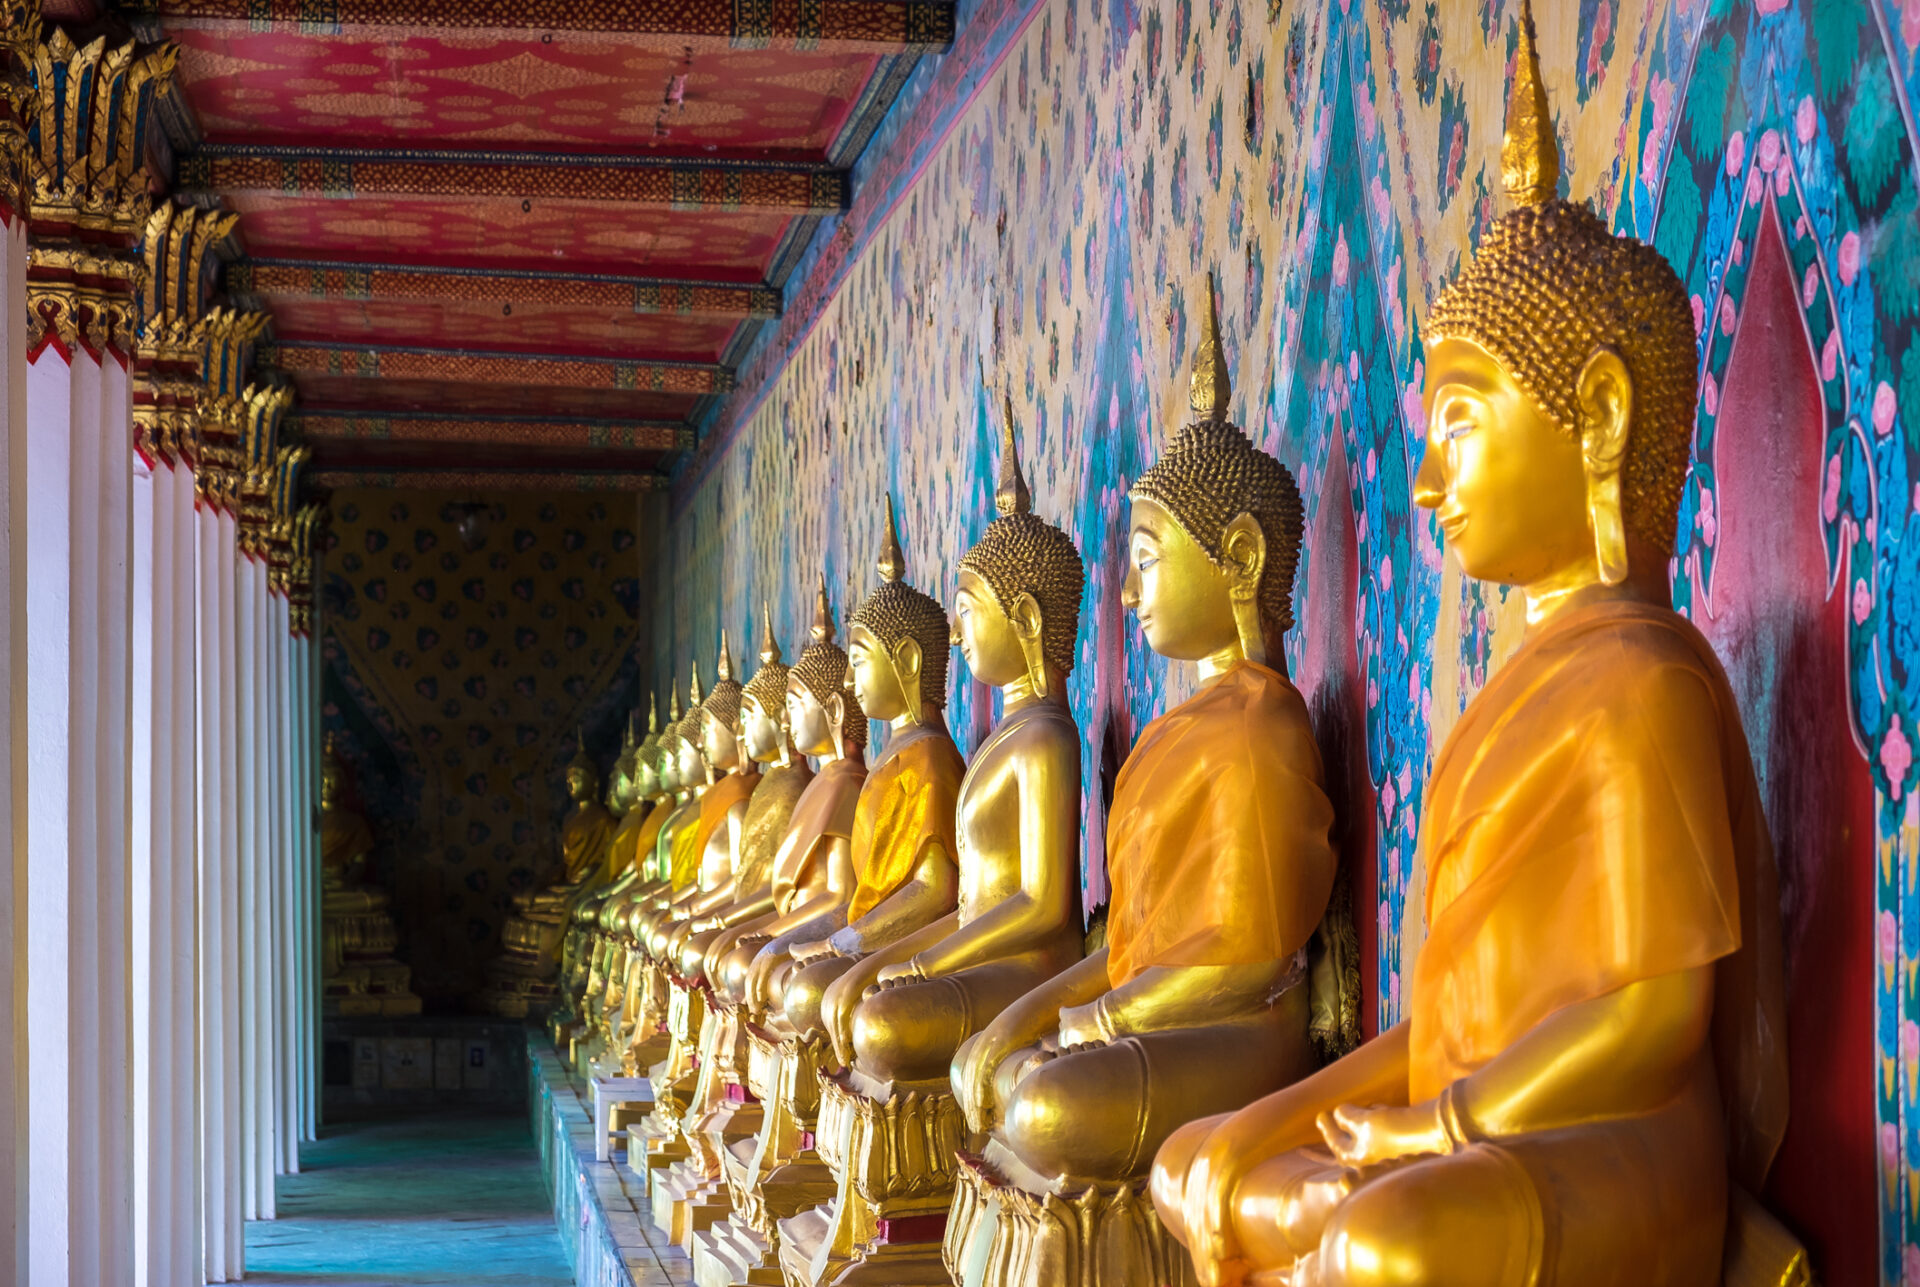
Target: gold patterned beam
792,188
638,435
374,362
869,26
505,480
324,279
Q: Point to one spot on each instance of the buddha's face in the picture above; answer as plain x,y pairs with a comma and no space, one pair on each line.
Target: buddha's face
808,720
579,784
646,782
329,786
718,742
985,633
1182,599
692,767
759,730
1508,484
668,772
874,672
620,785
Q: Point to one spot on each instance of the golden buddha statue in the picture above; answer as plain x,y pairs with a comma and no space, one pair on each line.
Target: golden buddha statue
359,975
523,979
1221,870
579,950
889,1125
1591,1078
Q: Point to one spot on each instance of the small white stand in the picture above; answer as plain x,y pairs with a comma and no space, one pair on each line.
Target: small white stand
607,1092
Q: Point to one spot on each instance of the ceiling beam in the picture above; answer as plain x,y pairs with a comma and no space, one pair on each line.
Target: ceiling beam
326,279
870,26
669,183
480,480
342,427
374,361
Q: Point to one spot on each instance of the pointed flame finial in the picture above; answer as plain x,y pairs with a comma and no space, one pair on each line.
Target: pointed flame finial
674,713
724,671
632,739
1012,496
1530,154
1209,391
580,738
822,631
892,564
769,646
653,714
693,687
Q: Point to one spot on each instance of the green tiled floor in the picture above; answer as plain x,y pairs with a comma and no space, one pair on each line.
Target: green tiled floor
414,1202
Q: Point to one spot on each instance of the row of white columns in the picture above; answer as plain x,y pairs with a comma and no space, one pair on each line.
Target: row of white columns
156,786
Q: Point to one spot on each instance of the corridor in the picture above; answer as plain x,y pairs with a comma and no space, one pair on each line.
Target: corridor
417,1201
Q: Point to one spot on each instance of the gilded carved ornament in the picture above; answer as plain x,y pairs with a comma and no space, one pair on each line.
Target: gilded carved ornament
170,345
19,40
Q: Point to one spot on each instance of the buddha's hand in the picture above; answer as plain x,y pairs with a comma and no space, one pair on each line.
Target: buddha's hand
973,1072
1363,1137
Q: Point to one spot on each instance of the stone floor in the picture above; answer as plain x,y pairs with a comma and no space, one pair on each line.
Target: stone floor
419,1201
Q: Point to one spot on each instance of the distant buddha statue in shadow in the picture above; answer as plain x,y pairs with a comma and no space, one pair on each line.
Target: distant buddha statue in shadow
359,974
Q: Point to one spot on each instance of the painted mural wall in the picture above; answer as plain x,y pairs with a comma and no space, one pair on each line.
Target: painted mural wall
455,675
1037,216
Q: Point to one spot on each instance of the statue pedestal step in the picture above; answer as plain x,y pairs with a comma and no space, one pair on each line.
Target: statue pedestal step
607,1093
731,1254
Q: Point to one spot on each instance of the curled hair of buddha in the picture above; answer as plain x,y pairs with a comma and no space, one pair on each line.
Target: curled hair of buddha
1020,553
581,762
823,666
769,683
1212,473
723,702
895,611
1550,285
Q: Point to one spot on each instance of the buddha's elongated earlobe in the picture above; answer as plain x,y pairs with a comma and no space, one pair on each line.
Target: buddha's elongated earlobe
1606,412
1026,622
1245,548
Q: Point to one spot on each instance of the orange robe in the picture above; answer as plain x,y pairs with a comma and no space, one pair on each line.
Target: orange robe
1217,844
824,811
768,815
714,805
649,838
1593,822
907,804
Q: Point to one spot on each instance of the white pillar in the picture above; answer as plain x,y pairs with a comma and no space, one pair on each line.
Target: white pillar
14,1130
174,504
309,742
288,904
150,827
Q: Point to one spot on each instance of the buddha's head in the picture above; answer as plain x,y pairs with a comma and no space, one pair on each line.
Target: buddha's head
897,643
720,715
646,757
1214,532
583,780
1560,383
691,762
823,717
1017,610
666,751
332,775
763,702
620,794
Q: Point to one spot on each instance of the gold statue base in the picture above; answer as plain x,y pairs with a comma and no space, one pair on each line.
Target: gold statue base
362,988
732,1254
1105,1235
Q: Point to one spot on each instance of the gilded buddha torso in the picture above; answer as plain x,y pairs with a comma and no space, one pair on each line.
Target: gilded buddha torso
987,821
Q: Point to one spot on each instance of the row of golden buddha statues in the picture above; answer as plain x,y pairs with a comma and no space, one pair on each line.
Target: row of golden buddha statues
884,1050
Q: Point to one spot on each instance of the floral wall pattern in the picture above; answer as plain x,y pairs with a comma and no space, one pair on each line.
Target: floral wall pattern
1037,216
454,677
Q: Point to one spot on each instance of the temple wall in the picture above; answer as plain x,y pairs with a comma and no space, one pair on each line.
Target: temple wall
454,681
1037,216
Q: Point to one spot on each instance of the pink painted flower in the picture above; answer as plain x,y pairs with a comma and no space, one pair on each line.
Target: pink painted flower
1910,1041
1768,154
1340,259
1393,992
1710,396
1889,942
1373,463
1386,922
1413,686
1830,494
1830,356
1801,228
1910,1266
1353,365
1782,180
1767,7
1910,23
1806,120
1849,258
1389,798
1699,314
1884,409
1411,408
1862,606
1739,252
1727,316
1810,287
1916,497
1386,576
1736,154
1896,757
1756,184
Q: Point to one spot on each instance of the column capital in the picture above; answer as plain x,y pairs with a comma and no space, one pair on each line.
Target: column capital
19,41
308,522
170,342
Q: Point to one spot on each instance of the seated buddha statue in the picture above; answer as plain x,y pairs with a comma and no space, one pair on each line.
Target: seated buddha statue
359,975
1221,870
897,1017
1590,1080
653,796
677,860
903,828
524,978
579,950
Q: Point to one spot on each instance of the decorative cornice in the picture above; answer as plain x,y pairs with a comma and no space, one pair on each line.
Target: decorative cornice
518,480
642,435
304,528
870,26
229,340
279,535
670,183
169,345
19,42
322,279
373,362
265,408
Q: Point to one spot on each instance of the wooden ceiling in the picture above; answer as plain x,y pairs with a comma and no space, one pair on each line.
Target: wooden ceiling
518,239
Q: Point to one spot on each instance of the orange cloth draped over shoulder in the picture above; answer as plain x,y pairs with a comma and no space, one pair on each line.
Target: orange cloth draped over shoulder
1217,844
649,839
714,805
907,804
1592,822
823,812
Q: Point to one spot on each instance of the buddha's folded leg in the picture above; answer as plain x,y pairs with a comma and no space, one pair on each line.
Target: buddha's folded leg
1171,1166
1100,1114
806,989
693,951
909,1032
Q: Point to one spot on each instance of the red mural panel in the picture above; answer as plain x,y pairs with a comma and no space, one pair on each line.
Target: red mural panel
570,236
486,90
321,393
1783,640
523,328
